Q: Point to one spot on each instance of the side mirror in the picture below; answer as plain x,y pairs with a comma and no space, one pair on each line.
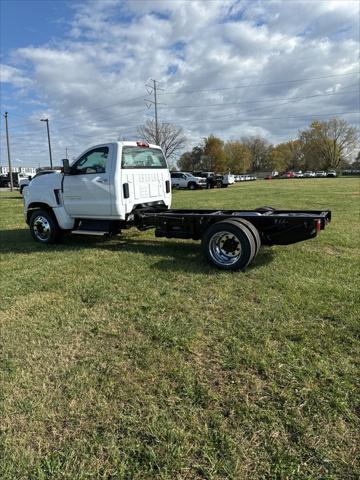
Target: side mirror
66,166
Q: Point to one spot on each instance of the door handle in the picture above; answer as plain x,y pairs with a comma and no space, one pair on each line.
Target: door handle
101,180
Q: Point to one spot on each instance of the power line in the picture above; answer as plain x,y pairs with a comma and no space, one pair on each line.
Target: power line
261,101
198,91
261,84
259,108
288,100
275,118
103,119
93,109
186,120
239,119
29,124
190,106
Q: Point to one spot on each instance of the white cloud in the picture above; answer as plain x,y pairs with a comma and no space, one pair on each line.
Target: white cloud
201,51
14,76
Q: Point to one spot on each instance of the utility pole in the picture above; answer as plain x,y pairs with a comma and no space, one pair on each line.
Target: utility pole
66,153
156,117
153,90
48,133
8,151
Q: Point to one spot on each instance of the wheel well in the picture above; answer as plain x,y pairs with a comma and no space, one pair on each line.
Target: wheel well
37,206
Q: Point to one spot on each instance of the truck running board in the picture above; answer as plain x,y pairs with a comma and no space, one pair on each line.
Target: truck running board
97,227
90,232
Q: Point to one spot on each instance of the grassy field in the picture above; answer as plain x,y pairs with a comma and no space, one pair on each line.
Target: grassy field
134,359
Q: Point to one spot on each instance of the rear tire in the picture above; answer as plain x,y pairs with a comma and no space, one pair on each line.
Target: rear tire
44,227
229,245
254,231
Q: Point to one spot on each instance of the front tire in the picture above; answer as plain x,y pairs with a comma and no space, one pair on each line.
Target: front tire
229,245
192,186
44,227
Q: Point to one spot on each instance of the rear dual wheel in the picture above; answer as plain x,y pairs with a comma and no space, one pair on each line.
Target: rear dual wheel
231,244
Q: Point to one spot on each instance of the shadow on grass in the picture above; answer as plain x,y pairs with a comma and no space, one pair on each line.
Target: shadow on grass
184,255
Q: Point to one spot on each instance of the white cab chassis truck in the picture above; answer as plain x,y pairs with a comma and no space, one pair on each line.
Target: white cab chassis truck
119,185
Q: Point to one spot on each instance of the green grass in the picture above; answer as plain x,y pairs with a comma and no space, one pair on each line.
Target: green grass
134,359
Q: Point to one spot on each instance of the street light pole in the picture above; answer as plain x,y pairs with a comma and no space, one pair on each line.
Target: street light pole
8,151
48,133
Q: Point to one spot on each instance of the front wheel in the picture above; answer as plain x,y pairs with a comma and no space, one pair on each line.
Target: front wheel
229,245
44,227
191,186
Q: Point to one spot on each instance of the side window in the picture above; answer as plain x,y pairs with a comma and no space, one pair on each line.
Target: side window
93,161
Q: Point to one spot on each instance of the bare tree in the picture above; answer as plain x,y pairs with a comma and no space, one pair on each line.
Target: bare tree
171,137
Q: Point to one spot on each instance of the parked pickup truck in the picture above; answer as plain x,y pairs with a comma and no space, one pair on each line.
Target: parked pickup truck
119,185
213,180
187,180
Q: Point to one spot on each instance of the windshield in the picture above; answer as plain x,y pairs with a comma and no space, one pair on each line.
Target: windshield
142,157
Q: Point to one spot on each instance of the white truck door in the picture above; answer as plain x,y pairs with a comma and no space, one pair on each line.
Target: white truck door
86,190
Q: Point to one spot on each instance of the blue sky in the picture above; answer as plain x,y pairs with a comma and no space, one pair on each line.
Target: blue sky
232,68
27,22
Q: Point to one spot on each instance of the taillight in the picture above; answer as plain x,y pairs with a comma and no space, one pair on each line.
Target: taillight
318,225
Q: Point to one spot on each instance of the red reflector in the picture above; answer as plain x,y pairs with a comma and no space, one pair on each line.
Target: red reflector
142,144
318,225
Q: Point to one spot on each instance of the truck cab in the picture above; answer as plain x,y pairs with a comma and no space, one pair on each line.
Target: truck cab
107,182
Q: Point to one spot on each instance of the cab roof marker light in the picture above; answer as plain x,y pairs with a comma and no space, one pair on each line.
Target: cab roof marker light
142,144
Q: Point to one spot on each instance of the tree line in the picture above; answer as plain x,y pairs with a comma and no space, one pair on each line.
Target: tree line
324,145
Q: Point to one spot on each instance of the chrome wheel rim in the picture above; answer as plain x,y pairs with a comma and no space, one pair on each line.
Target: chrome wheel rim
225,248
42,229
